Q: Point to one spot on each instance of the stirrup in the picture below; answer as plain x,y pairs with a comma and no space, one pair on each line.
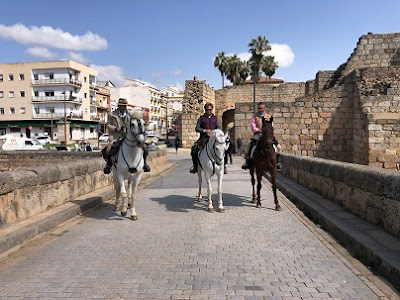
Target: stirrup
245,166
193,170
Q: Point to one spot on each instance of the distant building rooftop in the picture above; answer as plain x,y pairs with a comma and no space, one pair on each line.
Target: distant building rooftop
266,80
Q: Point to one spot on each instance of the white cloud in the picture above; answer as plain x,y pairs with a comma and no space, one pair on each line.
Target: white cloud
47,36
111,72
176,72
40,52
283,54
78,57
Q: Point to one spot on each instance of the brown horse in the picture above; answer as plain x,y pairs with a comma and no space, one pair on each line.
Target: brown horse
264,159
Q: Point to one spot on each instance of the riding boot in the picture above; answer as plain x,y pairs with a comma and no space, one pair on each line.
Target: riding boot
146,167
246,165
193,153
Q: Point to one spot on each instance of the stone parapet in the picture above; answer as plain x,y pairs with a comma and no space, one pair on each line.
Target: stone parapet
370,193
29,191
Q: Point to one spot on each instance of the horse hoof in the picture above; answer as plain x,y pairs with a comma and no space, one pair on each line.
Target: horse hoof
134,218
123,213
258,205
254,201
211,210
278,208
221,210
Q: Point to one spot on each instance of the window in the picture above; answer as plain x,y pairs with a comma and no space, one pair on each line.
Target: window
1,111
85,95
21,76
51,76
10,77
84,78
22,93
52,110
37,110
11,94
2,130
49,93
36,93
12,110
36,76
1,94
23,110
1,77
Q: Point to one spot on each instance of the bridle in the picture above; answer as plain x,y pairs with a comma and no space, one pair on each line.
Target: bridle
136,127
211,153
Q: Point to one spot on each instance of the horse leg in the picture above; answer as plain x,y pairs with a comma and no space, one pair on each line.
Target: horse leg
124,196
133,194
253,182
221,208
259,177
117,187
199,196
273,180
209,192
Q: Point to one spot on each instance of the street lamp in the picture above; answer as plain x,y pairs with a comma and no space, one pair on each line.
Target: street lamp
65,118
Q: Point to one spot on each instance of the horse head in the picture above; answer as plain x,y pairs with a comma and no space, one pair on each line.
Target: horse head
218,143
267,133
135,132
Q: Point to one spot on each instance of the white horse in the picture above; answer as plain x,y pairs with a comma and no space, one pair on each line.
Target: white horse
211,161
129,166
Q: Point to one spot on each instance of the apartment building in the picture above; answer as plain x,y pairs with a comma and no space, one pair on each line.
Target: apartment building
36,97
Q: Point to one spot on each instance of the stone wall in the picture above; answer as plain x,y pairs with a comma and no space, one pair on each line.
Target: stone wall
29,191
197,94
370,193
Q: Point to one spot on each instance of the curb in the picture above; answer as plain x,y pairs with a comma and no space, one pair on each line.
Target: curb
373,253
18,235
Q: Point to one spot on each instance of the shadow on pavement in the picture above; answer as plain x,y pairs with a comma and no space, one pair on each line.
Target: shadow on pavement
180,203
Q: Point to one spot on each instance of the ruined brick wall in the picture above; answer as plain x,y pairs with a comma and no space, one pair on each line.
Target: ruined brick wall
379,101
197,93
227,97
314,125
372,50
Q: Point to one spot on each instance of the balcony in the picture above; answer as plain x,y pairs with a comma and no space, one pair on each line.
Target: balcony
56,81
57,116
56,99
93,86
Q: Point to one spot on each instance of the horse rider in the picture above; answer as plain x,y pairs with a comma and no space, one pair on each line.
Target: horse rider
256,127
117,125
205,125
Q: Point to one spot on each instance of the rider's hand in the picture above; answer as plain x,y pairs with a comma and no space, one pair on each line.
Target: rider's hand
208,132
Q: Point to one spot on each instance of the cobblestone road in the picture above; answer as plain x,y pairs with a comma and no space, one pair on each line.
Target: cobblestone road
177,250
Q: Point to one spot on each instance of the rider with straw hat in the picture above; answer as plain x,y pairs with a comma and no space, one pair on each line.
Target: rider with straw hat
118,122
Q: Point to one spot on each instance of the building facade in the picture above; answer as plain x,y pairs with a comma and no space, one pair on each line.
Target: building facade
36,98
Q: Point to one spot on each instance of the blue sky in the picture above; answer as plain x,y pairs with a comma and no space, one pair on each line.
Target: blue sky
165,42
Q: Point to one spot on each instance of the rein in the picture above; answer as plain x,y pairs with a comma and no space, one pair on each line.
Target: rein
212,156
133,145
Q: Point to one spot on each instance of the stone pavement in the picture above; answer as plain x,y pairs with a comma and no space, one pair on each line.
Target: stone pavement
177,250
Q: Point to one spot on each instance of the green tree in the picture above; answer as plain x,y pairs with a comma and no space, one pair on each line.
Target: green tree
257,48
268,66
220,62
237,70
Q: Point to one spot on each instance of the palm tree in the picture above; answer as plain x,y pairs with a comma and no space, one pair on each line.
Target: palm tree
220,62
257,48
269,66
237,70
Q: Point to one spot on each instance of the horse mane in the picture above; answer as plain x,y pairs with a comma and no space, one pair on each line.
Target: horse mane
219,135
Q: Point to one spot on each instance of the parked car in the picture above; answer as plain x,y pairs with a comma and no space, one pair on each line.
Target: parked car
43,140
151,138
104,138
9,143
